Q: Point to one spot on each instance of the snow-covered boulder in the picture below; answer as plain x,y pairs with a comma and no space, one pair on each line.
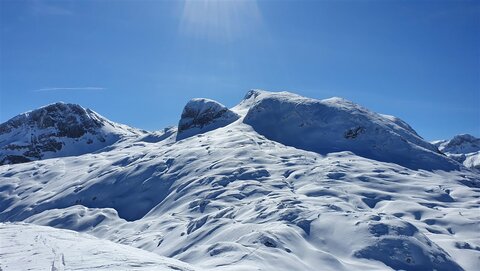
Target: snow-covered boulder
56,130
203,115
335,124
463,148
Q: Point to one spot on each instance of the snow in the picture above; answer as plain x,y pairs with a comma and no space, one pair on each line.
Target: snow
242,197
32,247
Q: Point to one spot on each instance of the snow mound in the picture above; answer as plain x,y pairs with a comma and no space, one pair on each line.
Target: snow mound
202,115
31,247
335,124
463,148
56,130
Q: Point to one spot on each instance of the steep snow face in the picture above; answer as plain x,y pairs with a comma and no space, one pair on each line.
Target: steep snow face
336,124
56,130
463,148
202,115
31,247
400,123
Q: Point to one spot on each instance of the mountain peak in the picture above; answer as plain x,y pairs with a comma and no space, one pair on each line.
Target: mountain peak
464,138
58,129
463,148
252,93
459,144
70,120
60,107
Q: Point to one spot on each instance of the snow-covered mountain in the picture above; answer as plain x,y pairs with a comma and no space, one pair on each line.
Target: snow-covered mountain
336,124
463,148
57,130
278,182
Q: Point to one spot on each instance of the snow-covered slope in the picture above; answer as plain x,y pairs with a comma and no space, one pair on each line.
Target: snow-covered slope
339,125
238,198
57,130
31,247
463,148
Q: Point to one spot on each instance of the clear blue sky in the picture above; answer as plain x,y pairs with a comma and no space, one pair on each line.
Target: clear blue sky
139,62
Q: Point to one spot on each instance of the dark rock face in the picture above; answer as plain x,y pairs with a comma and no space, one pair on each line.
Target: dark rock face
354,132
198,119
203,115
69,120
14,159
28,136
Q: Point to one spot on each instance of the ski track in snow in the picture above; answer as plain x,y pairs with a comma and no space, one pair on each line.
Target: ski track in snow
32,247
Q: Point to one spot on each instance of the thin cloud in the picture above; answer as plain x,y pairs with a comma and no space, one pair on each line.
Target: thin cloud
68,89
41,7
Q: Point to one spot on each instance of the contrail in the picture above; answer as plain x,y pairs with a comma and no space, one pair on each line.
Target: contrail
76,88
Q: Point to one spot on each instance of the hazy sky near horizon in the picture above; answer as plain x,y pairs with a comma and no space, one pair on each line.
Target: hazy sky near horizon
139,62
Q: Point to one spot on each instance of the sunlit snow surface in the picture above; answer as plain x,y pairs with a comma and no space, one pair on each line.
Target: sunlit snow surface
231,199
32,247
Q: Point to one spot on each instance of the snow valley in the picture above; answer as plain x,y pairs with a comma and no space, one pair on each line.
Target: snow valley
278,182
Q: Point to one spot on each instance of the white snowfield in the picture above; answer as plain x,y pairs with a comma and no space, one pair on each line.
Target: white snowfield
279,182
32,247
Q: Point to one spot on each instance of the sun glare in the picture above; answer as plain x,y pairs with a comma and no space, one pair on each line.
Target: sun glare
218,20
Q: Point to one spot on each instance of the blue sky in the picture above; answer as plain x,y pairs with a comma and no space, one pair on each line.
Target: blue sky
139,62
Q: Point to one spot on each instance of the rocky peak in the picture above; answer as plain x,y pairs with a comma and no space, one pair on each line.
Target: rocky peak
463,143
68,120
202,115
463,148
59,129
